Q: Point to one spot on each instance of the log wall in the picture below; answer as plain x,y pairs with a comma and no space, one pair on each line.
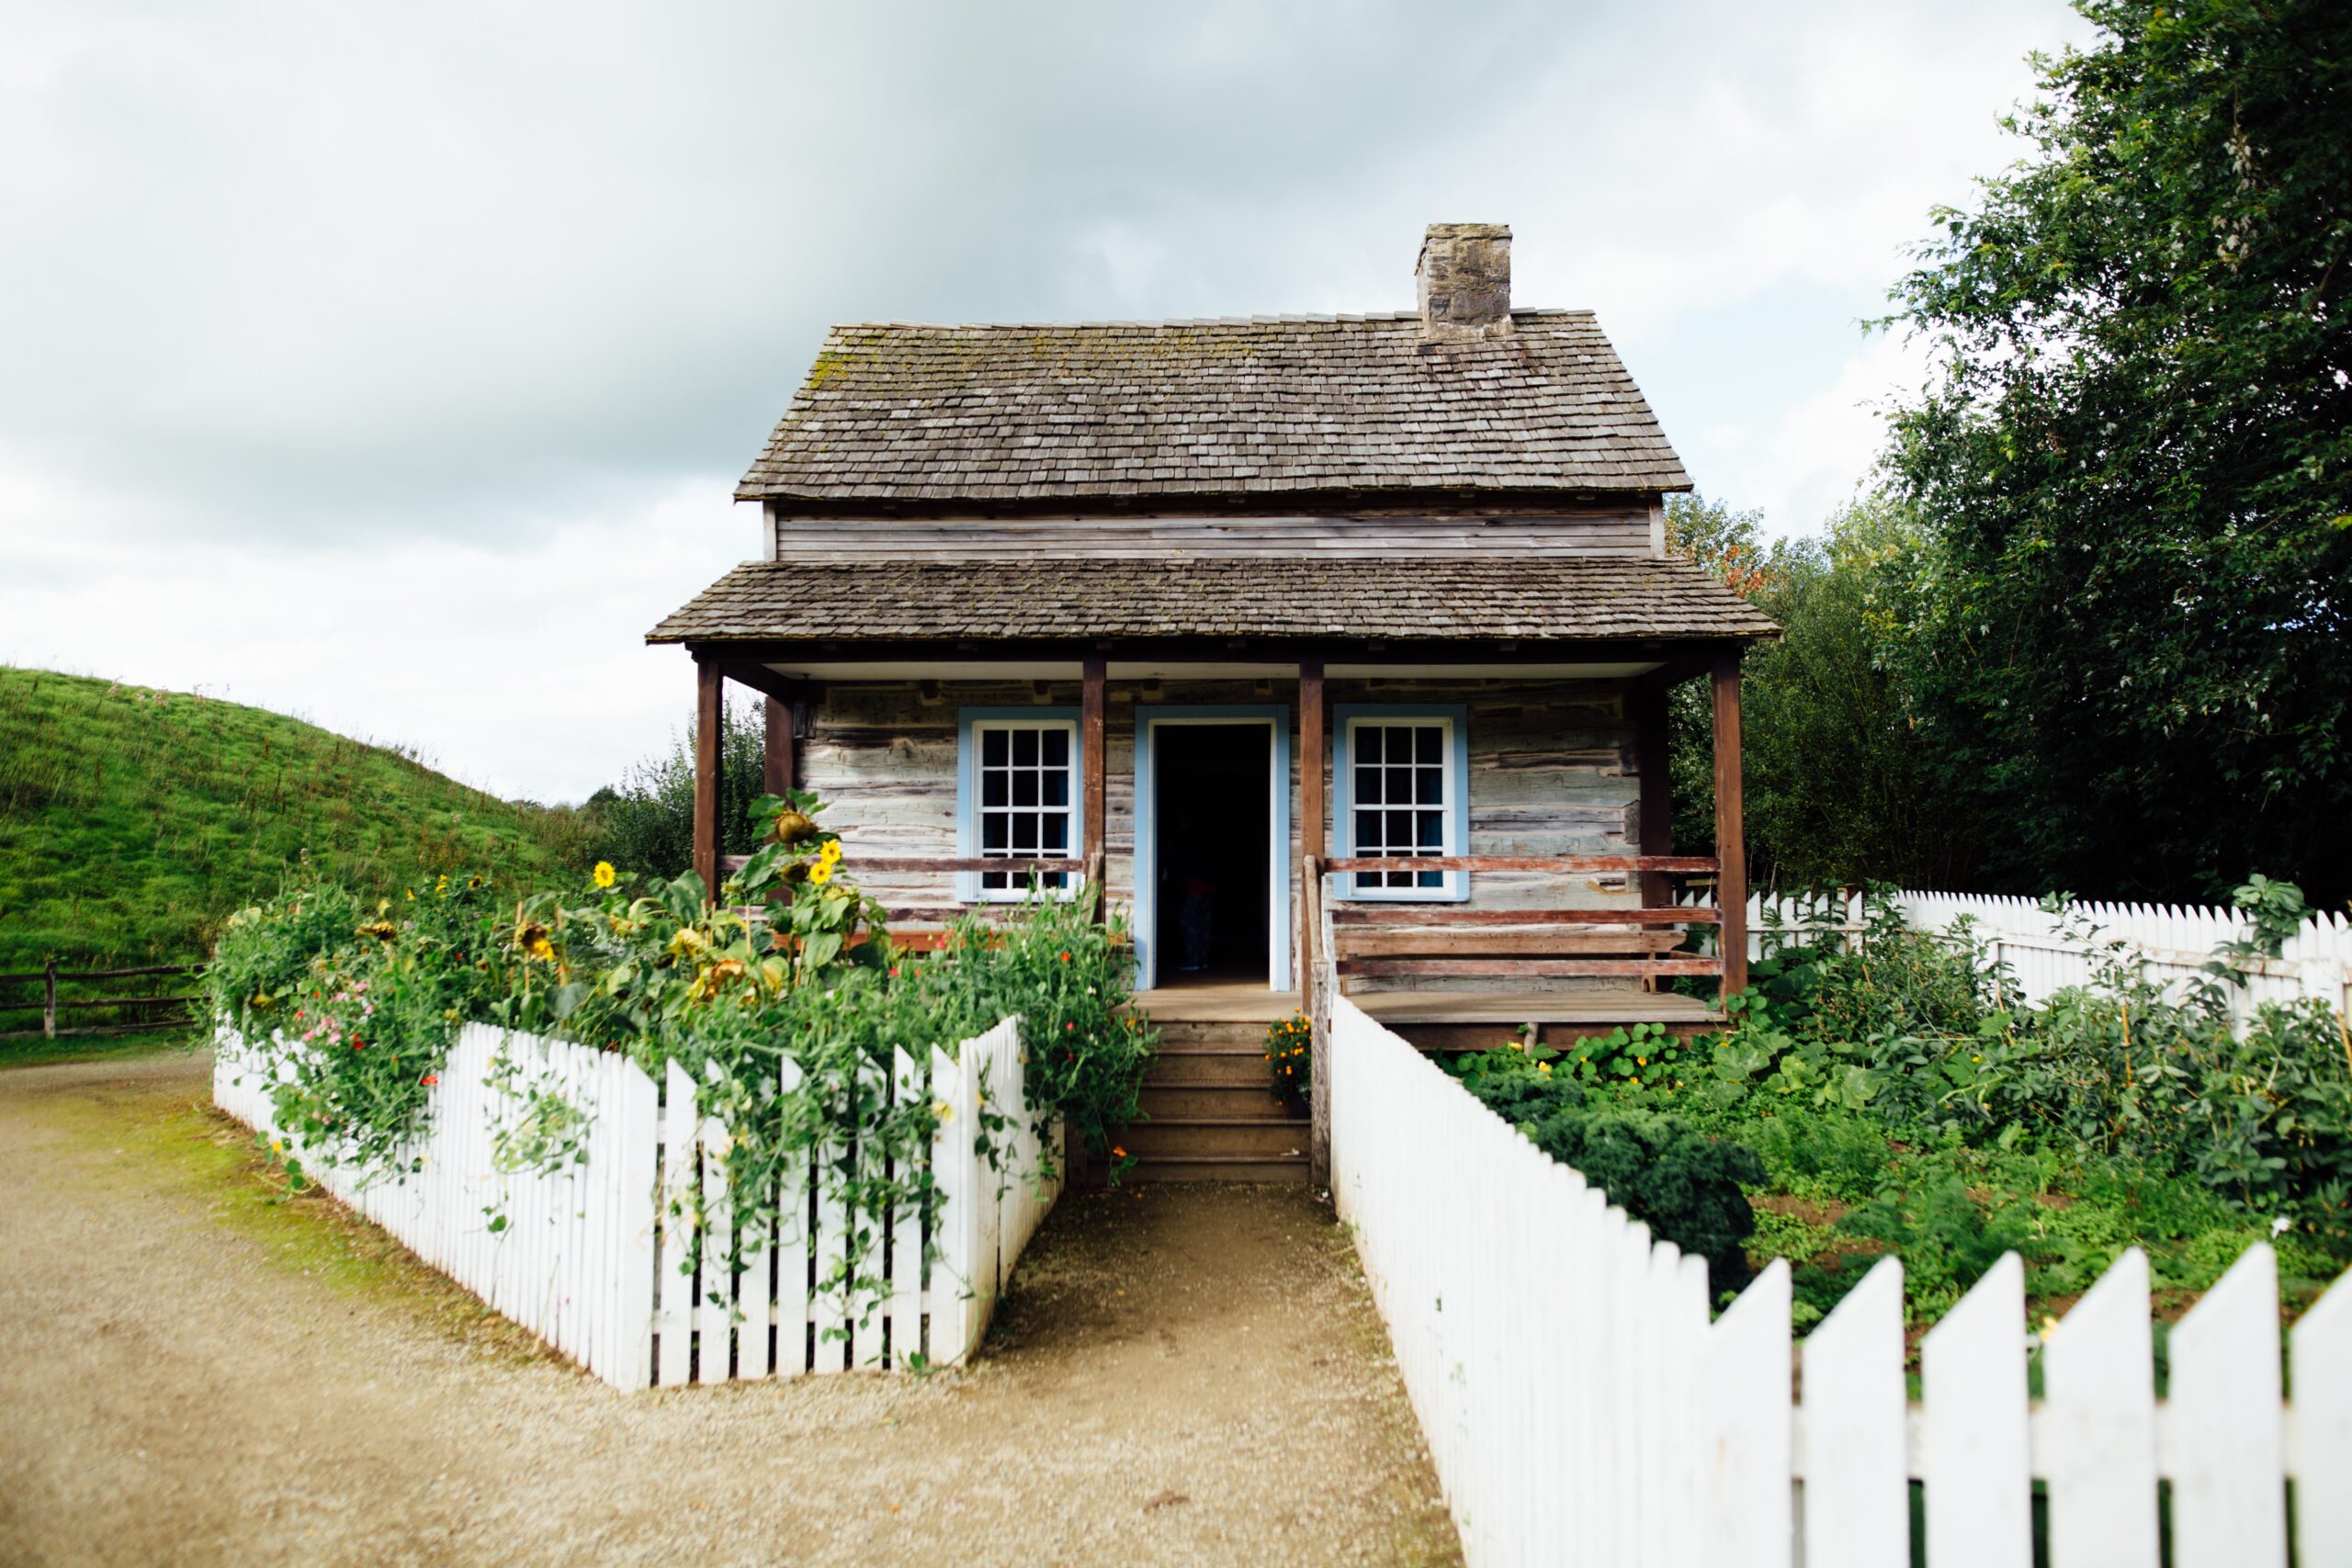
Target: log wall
1553,772
1613,532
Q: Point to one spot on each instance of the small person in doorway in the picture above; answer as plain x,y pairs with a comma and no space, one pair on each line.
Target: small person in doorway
1194,917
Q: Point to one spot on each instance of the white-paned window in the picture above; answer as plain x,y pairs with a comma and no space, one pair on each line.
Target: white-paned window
1022,797
1404,783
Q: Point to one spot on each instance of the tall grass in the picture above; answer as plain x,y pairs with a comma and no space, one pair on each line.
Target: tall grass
132,821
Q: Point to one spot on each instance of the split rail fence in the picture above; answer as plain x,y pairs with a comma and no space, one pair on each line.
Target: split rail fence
142,1008
595,1257
1582,1408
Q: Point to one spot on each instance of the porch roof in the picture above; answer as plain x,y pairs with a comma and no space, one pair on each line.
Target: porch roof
1546,599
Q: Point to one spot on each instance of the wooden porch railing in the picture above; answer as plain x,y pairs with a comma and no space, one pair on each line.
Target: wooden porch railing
1404,940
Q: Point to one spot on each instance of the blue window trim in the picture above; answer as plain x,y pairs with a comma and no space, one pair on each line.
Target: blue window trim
1455,887
1147,851
968,882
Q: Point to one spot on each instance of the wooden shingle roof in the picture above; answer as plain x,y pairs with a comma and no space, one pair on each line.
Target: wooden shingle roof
1562,599
1282,405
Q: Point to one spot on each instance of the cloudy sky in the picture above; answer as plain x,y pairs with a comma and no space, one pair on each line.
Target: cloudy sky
393,364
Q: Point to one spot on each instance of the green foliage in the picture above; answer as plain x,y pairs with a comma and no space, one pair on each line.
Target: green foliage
1644,1057
2129,641
1070,978
647,820
365,1006
361,1010
1840,787
1820,1151
133,822
1290,1058
1946,1238
1656,1166
1885,1091
1913,1028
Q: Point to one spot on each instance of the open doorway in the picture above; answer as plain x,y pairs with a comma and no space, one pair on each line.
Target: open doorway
1212,851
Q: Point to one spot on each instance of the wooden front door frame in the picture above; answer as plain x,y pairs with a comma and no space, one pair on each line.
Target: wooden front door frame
1275,717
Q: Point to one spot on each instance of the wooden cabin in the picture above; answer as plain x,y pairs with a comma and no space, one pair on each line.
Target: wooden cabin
1310,637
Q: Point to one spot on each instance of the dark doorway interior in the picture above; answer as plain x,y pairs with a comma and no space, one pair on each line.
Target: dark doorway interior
1210,812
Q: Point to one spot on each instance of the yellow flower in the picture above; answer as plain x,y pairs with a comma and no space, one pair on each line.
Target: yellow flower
603,876
820,874
275,1147
1544,1068
944,1112
830,852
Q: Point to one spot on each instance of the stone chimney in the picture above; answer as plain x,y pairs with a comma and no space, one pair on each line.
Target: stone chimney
1463,280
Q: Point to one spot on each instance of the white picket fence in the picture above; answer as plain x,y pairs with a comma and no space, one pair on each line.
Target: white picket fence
595,1258
1581,1408
2175,941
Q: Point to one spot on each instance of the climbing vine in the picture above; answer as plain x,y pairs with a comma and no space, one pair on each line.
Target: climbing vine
351,1015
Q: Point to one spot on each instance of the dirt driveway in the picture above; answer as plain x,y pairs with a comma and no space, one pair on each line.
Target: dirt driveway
195,1368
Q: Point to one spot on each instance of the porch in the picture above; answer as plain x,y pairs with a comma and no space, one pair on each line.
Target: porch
1479,909
1449,775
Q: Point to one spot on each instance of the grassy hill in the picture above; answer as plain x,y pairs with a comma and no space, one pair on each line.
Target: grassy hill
132,821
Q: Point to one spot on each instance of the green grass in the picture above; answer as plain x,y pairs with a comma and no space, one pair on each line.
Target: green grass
133,821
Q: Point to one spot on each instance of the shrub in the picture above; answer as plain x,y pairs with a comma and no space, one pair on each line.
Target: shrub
1290,1058
1656,1166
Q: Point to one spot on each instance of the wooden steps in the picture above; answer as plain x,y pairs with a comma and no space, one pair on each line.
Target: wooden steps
1212,1111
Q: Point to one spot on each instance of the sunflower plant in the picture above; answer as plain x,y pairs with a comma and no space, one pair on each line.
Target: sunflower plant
791,961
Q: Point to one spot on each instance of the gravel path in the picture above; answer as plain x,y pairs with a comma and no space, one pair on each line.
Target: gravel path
197,1367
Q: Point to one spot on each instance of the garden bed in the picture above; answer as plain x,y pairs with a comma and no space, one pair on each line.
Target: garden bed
1876,1095
804,1124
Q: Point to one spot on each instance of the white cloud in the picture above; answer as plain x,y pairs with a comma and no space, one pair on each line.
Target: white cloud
395,364
1820,449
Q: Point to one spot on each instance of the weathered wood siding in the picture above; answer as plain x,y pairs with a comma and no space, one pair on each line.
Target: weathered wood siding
1552,772
1621,531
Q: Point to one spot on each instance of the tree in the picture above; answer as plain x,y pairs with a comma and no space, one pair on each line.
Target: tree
1841,787
646,823
2129,640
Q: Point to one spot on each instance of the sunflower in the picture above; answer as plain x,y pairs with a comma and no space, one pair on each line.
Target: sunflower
604,874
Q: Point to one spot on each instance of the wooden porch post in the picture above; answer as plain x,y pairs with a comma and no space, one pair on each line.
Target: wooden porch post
709,720
1095,801
1731,840
782,771
1651,701
1306,956
1311,849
